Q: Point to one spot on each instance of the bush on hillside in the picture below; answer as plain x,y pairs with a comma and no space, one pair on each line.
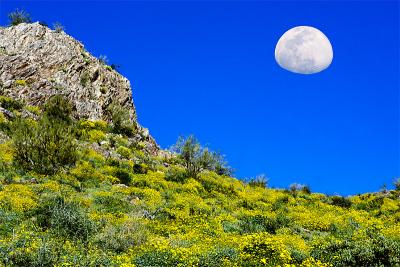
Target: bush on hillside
10,104
259,181
196,158
19,16
58,27
295,188
377,250
48,145
262,223
176,174
219,256
65,219
44,148
120,119
341,201
58,108
122,237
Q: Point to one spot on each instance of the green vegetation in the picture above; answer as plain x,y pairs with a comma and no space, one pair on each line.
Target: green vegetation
85,76
260,181
19,16
84,193
196,159
20,82
10,104
47,145
58,27
121,123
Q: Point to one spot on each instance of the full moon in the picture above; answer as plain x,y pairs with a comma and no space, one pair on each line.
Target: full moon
304,50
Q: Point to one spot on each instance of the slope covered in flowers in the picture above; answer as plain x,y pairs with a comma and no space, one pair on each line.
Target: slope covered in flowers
118,205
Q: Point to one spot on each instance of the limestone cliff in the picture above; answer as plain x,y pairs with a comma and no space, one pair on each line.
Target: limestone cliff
37,62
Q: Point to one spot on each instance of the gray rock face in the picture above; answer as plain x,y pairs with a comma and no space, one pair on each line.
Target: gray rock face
37,62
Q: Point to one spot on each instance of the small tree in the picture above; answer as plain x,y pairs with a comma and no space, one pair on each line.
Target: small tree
19,16
259,181
58,27
49,144
196,158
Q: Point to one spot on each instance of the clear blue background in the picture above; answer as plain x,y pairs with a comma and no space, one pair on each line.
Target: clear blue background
208,68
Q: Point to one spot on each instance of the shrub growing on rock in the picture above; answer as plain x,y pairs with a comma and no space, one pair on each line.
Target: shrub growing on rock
58,108
120,119
58,27
19,16
10,104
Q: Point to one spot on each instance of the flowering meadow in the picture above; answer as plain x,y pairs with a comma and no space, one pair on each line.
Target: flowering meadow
118,205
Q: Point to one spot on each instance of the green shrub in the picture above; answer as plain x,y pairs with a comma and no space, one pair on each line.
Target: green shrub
157,258
341,201
122,123
44,148
7,222
280,203
375,251
33,109
58,108
19,16
306,189
146,161
374,203
122,237
259,181
48,145
124,176
65,219
10,104
85,77
124,152
220,256
140,168
213,183
20,252
297,256
58,27
196,158
111,202
262,223
176,174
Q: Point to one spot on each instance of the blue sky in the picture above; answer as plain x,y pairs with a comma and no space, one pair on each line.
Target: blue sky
208,68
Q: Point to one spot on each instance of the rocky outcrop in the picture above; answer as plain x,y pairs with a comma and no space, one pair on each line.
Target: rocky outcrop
37,62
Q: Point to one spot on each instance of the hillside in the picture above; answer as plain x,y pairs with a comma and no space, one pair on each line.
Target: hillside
37,62
83,184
